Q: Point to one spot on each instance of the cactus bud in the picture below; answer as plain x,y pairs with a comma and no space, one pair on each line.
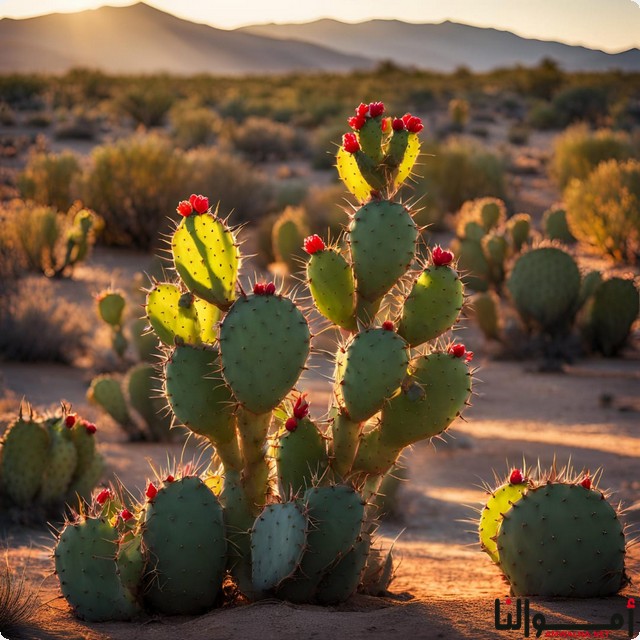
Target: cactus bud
586,481
516,477
414,125
70,420
258,288
459,351
376,109
125,514
291,424
90,427
103,496
151,491
397,124
357,122
169,478
199,203
387,325
313,244
301,407
184,208
350,143
269,289
440,257
362,110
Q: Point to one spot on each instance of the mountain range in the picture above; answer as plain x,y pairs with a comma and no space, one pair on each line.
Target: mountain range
141,39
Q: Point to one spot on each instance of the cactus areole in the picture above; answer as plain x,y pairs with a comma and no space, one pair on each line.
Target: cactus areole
296,489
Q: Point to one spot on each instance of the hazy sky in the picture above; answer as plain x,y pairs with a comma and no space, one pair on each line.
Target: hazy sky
613,25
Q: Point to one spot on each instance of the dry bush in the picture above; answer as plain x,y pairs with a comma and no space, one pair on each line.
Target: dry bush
193,126
48,178
603,210
18,601
146,104
37,327
134,184
578,151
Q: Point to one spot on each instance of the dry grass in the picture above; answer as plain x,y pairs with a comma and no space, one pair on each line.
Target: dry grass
18,601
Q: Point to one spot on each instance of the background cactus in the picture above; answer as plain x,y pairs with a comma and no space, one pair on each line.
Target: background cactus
297,492
287,237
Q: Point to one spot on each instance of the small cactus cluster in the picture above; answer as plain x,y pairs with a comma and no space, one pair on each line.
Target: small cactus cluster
47,461
287,506
554,534
133,401
553,301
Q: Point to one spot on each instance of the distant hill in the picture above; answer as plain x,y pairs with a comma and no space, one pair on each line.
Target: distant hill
141,39
446,46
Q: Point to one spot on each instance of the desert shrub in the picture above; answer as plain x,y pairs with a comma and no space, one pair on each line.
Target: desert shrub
603,210
48,178
134,184
7,115
192,126
44,240
544,116
18,601
21,90
76,124
36,326
518,134
147,105
260,139
228,179
458,113
582,103
578,151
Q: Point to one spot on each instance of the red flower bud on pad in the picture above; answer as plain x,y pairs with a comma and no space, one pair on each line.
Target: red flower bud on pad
397,124
387,325
151,491
586,482
414,125
457,350
357,122
291,424
258,288
440,257
70,420
516,477
362,110
199,203
350,143
184,208
376,109
169,478
125,514
269,289
103,496
301,407
313,244
90,428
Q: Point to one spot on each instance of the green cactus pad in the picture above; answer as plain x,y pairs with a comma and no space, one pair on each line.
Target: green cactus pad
278,541
265,344
432,397
85,482
351,175
208,318
335,514
519,229
25,455
408,161
301,458
588,287
499,503
130,562
370,138
106,392
287,238
383,238
143,391
144,341
562,540
545,285
111,307
472,263
173,315
197,393
486,311
184,539
491,212
207,259
373,367
85,560
333,288
496,248
85,444
63,458
342,580
556,227
433,305
613,312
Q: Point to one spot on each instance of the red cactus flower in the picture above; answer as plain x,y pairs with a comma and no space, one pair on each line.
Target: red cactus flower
125,514
516,477
357,122
269,289
103,496
414,125
406,117
151,491
350,143
291,424
387,325
258,288
457,350
468,357
301,407
586,482
376,109
384,125
440,257
169,478
313,244
397,124
90,428
184,208
70,420
362,110
199,203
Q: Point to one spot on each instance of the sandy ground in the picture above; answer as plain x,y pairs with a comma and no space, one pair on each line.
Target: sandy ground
445,587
